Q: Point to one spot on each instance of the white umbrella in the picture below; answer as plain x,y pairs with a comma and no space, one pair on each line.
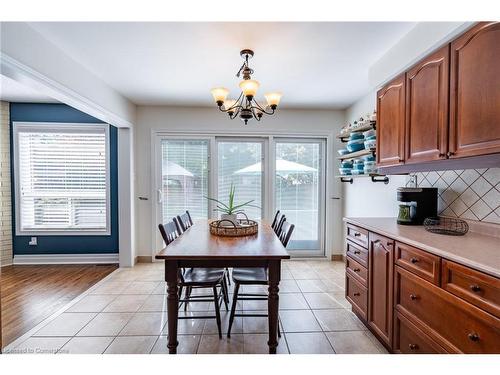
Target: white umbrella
174,169
283,167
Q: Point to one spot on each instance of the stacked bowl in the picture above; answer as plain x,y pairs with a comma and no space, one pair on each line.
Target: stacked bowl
355,142
370,138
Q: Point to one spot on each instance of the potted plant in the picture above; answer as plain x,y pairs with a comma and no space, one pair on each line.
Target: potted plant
230,210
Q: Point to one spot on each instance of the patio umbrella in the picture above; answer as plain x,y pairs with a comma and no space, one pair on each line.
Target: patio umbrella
171,169
283,168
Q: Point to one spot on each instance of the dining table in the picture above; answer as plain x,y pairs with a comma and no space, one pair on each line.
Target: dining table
197,247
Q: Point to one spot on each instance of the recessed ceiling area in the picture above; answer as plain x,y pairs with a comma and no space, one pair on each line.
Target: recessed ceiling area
15,92
314,65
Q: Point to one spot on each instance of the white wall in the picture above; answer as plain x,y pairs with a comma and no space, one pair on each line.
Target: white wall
179,119
29,58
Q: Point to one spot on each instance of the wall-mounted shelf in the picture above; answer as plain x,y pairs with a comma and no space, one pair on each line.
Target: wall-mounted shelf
344,137
357,154
374,177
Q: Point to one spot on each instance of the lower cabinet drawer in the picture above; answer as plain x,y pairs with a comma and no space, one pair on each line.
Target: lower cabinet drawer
356,270
410,339
455,324
357,295
356,252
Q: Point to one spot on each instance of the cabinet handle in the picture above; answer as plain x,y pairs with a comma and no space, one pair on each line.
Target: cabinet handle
357,252
413,297
389,243
356,270
357,234
475,288
414,260
442,155
450,154
401,160
413,346
356,294
473,336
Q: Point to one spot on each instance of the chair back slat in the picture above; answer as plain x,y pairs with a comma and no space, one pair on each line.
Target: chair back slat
277,229
185,221
275,221
286,232
169,232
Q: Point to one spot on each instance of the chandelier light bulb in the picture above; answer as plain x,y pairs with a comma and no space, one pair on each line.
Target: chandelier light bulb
249,87
220,94
273,99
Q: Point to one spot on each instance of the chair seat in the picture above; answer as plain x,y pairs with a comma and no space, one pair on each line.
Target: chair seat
203,276
256,275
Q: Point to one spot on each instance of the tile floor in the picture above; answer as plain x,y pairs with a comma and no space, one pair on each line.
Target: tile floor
126,313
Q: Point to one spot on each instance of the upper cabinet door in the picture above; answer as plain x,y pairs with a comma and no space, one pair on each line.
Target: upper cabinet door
427,108
475,92
391,122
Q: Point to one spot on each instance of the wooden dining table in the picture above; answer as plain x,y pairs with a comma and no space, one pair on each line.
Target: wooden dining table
196,247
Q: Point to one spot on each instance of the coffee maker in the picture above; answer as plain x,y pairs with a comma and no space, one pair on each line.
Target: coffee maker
416,204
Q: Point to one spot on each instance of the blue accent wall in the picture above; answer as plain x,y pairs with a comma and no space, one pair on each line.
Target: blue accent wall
36,112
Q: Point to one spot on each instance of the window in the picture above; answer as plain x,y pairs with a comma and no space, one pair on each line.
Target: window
62,178
184,178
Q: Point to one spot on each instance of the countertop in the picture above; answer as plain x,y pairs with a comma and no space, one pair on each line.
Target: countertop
474,250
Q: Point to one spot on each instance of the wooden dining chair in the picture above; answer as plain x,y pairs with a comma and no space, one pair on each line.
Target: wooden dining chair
279,224
196,278
255,276
275,220
185,221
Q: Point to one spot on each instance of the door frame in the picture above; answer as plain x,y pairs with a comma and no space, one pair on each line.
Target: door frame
331,238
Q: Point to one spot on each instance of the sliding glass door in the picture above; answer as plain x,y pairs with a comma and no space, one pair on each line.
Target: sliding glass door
299,191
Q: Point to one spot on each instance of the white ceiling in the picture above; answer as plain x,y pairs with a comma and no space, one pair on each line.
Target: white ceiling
13,91
314,65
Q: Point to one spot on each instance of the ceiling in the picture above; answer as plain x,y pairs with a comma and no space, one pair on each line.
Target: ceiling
13,91
314,65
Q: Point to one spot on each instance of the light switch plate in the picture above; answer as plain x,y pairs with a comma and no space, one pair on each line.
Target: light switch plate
33,241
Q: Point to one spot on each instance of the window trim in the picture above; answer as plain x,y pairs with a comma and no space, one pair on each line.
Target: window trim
21,126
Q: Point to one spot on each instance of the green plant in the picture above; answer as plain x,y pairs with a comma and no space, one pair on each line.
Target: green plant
230,208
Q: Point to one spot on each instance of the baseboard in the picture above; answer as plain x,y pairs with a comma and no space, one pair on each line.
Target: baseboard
66,259
143,259
338,257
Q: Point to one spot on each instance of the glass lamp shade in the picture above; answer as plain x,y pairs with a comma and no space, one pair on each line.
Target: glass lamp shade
273,98
228,103
249,87
220,94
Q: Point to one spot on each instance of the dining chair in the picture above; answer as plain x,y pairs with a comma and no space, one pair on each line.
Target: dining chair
275,220
185,221
208,278
279,224
255,276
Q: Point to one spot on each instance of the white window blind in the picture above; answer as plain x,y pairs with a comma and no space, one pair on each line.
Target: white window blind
62,178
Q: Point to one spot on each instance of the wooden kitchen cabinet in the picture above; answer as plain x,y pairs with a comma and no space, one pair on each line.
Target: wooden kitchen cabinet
391,122
380,286
475,92
426,125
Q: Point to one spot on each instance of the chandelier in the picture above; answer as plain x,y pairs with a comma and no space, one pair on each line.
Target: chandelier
246,107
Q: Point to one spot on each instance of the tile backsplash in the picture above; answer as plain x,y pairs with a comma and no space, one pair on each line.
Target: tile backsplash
472,194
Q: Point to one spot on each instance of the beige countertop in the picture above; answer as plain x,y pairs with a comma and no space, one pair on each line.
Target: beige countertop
475,250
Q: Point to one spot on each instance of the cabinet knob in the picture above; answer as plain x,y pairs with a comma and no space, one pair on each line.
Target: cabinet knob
357,252
450,154
475,288
357,234
473,336
413,297
414,260
413,346
389,243
356,270
356,294
442,155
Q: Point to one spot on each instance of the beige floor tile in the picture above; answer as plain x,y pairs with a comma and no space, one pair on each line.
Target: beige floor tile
131,345
92,303
292,301
288,286
286,275
299,321
255,324
312,286
352,342
338,320
154,303
141,287
66,324
308,343
322,301
161,288
253,289
145,324
303,274
333,286
111,287
40,345
340,297
188,344
126,303
254,305
86,345
188,326
106,324
124,275
257,344
151,276
211,324
211,344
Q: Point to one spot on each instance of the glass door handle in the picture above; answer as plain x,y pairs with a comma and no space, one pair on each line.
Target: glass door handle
160,195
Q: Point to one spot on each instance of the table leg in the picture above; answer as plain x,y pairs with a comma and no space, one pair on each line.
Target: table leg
171,271
273,303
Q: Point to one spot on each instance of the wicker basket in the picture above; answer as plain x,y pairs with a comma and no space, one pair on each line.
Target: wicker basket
246,228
